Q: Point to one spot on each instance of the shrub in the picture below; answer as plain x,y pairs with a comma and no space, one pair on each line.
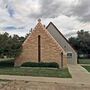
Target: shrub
7,63
41,64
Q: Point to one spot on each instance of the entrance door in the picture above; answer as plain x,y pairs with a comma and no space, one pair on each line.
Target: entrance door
61,59
39,48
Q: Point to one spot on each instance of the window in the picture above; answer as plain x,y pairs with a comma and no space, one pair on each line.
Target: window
69,54
39,48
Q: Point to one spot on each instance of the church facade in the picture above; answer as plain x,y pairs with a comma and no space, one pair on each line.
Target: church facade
41,46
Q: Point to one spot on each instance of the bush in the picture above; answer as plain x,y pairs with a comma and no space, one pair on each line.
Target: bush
7,63
41,64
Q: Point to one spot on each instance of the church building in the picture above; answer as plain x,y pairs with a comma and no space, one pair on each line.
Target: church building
44,45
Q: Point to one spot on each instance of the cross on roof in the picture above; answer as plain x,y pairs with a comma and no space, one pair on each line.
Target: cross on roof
39,20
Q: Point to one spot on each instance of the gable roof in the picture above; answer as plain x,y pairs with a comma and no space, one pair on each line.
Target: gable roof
60,34
38,30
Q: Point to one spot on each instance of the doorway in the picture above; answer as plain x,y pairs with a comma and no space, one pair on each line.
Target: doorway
61,59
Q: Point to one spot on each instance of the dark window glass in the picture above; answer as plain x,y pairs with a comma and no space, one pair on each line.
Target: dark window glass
69,54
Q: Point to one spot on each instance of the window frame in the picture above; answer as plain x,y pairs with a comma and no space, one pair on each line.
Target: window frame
69,54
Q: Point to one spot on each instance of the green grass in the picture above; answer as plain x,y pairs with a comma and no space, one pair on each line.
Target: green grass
87,68
44,72
7,68
84,61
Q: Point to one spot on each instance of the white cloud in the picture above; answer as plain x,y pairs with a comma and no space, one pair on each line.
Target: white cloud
26,12
68,25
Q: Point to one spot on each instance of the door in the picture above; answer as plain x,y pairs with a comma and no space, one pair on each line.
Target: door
61,59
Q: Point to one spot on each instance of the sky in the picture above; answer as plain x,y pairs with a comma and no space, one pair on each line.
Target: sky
19,16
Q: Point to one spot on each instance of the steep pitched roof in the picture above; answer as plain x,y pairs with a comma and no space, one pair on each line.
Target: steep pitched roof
39,28
60,34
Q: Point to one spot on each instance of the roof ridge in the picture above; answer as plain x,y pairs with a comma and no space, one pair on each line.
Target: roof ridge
61,35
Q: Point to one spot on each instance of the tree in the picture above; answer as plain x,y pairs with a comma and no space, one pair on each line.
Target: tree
10,46
82,42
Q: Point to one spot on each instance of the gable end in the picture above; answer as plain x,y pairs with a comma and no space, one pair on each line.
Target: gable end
61,35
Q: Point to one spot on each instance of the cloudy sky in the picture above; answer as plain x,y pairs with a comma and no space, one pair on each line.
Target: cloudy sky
19,16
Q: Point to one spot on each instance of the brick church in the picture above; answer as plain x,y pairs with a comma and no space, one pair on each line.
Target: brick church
41,46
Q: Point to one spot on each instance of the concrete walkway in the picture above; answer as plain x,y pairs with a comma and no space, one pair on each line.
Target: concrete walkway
79,74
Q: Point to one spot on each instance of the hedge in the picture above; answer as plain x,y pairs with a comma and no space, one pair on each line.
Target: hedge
10,63
41,64
7,63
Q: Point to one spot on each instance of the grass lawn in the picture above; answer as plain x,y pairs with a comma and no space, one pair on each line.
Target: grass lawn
87,68
84,61
44,72
7,68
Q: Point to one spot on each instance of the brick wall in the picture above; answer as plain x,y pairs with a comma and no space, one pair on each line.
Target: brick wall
50,49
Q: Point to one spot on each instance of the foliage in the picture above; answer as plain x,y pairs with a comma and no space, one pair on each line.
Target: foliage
81,43
10,46
41,64
45,72
7,63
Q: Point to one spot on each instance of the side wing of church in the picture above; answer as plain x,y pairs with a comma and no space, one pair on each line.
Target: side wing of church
63,42
41,46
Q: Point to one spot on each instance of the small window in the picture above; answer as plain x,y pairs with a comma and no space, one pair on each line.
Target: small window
69,54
